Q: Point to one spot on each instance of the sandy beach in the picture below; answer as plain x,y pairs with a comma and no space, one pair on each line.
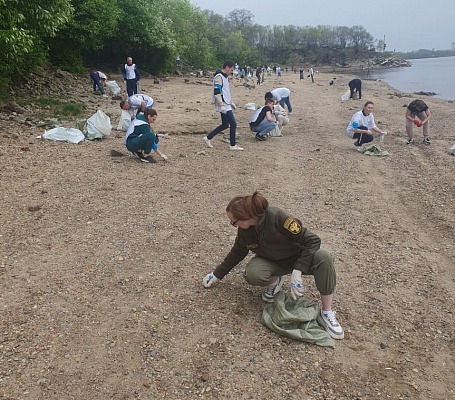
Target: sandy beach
102,256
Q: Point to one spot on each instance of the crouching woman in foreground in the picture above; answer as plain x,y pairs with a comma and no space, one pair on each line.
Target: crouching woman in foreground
282,247
141,140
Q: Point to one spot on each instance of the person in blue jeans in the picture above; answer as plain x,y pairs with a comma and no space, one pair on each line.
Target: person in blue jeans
98,79
281,95
262,121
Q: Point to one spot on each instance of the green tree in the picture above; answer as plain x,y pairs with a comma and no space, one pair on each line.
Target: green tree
23,29
92,23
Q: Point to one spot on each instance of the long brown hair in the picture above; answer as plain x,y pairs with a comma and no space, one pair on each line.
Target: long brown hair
244,208
150,112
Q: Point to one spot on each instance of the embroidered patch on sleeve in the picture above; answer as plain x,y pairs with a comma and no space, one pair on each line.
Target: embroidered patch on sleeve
292,226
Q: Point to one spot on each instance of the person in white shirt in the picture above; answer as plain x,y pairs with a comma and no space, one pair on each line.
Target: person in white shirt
282,96
221,97
311,72
131,76
98,79
139,102
362,126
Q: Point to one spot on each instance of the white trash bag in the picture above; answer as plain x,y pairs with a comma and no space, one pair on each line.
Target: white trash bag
98,126
113,87
452,150
70,135
346,96
125,121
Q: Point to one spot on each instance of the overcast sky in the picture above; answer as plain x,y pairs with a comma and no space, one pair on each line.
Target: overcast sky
407,24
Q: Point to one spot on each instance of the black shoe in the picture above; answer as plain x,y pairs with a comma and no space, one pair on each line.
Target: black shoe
426,141
148,159
137,154
259,137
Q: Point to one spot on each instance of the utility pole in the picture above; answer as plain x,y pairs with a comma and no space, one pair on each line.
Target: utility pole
383,47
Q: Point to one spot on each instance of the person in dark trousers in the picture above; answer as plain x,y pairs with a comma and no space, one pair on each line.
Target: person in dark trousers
418,114
362,127
131,76
311,71
258,75
98,79
221,98
140,140
282,246
355,86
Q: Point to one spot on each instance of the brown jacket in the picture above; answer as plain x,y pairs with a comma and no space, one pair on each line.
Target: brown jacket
277,237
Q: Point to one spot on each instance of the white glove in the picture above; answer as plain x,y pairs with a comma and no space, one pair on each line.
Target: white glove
209,280
233,106
164,156
296,284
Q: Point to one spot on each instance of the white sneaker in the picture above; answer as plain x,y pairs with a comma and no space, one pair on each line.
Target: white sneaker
104,95
360,149
236,147
329,322
207,141
273,289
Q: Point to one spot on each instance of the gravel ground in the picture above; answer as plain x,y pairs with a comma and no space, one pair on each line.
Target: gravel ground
102,256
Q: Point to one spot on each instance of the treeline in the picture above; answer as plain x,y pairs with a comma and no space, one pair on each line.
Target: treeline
424,53
78,34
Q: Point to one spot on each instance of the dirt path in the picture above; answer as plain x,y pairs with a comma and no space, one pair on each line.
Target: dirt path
102,257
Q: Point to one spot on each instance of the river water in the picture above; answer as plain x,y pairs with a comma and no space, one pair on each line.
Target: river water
425,75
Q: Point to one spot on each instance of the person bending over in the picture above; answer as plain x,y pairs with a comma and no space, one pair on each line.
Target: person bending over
419,109
355,86
282,95
138,102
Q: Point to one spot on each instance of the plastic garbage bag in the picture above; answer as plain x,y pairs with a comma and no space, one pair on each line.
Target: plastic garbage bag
70,135
113,87
125,121
346,96
275,132
81,124
452,150
250,106
98,126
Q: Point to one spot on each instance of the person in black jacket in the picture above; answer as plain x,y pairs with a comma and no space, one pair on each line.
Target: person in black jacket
355,86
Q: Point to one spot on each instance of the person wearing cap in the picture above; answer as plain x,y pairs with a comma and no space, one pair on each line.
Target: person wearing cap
262,121
282,96
98,79
139,102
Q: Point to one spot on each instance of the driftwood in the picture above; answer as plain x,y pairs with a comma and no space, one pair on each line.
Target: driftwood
426,93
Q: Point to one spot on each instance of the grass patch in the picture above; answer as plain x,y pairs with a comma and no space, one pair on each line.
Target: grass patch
56,108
